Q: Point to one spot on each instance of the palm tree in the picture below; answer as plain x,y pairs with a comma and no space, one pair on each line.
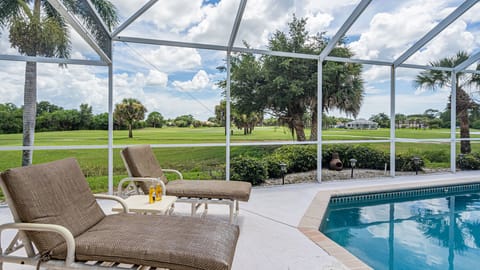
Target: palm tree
434,79
37,29
129,111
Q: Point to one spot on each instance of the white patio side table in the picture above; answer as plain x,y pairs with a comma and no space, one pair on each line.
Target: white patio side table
139,204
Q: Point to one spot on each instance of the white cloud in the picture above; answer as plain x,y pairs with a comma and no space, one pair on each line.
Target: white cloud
198,82
318,22
261,19
453,39
174,16
217,24
392,32
157,78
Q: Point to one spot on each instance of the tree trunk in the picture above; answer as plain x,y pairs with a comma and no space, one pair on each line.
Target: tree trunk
299,127
29,110
130,132
465,147
314,132
463,104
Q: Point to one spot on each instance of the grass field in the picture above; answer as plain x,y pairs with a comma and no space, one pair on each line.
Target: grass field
203,162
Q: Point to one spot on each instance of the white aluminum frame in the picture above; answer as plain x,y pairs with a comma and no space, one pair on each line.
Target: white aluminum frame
229,48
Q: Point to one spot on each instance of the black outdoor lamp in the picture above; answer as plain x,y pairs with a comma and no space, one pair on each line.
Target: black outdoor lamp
416,161
283,168
352,164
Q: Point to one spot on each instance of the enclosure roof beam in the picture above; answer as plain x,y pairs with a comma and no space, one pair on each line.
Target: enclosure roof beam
171,43
435,31
236,24
39,59
448,69
471,71
98,18
472,59
344,28
276,53
84,33
358,61
132,18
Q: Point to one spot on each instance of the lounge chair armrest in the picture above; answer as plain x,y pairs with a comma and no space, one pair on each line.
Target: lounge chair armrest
64,232
140,179
113,198
180,175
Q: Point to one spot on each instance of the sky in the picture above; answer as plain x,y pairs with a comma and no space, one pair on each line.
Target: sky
179,81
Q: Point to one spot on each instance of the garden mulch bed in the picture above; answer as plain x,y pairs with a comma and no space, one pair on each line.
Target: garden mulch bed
329,175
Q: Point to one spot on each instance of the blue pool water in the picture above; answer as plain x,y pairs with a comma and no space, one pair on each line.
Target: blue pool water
396,232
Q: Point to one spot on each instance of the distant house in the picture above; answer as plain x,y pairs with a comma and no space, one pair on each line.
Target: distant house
361,124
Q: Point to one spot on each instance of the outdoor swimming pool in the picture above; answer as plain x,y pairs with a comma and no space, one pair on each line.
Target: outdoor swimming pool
409,229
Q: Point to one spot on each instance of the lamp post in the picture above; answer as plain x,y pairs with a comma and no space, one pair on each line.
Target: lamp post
222,113
283,168
352,164
416,161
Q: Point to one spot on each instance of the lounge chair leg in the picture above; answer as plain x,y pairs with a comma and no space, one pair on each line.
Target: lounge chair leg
231,212
194,208
205,211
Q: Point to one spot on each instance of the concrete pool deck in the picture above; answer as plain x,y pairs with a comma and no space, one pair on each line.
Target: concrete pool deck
270,237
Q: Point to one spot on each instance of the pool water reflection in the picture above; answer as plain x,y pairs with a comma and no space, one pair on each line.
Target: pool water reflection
414,234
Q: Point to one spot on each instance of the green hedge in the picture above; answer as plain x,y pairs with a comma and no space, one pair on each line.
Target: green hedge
469,161
248,169
302,158
299,158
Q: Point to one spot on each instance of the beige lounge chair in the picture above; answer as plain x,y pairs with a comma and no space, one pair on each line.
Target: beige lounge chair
54,209
143,167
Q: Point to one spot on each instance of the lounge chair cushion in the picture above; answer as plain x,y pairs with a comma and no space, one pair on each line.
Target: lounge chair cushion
58,195
216,189
142,163
173,242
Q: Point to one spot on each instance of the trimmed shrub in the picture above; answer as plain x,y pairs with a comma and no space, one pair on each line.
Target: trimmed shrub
404,162
436,155
299,158
469,161
248,169
367,157
273,166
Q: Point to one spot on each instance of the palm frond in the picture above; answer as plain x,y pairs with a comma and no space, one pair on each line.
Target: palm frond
64,46
8,10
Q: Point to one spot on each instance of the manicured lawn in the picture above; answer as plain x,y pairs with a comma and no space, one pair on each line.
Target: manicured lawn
213,135
203,162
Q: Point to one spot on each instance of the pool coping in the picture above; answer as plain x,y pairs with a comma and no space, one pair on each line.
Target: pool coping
310,223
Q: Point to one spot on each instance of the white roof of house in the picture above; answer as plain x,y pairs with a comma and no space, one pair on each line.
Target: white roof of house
362,122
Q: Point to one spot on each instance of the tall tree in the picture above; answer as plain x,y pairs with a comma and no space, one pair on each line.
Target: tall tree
381,119
433,79
221,113
86,116
287,87
37,29
129,111
155,119
292,82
